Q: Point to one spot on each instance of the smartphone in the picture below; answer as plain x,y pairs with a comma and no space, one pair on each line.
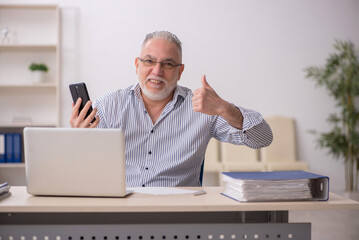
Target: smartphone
79,90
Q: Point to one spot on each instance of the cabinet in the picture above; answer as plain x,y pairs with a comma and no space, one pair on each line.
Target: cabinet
28,34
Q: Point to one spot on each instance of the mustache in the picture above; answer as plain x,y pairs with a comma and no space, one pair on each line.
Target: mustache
153,77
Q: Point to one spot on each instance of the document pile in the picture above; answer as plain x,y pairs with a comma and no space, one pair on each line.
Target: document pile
275,186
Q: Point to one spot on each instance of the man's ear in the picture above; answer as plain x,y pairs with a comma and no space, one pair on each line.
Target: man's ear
136,64
180,71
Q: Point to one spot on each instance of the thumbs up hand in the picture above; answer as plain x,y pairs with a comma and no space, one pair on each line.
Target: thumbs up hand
206,100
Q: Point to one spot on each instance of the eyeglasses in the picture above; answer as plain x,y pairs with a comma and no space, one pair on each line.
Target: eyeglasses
168,65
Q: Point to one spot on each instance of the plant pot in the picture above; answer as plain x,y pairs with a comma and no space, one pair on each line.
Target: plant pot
37,77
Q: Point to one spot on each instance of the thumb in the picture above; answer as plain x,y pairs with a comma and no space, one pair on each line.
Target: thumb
205,83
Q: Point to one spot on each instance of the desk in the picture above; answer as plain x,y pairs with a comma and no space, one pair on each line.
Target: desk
142,216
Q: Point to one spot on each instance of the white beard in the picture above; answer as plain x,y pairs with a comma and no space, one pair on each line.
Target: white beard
162,94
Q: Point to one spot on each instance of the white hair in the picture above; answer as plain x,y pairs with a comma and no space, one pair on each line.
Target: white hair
164,35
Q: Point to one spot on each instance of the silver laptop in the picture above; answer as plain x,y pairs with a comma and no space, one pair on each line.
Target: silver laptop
75,162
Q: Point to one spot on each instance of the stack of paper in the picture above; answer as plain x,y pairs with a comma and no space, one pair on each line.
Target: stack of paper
272,186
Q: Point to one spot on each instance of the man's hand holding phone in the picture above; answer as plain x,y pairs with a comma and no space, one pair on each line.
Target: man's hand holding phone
82,115
79,119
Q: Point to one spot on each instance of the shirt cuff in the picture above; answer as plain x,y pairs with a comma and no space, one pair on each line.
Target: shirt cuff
250,119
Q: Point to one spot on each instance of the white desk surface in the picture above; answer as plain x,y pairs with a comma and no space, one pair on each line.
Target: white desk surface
213,201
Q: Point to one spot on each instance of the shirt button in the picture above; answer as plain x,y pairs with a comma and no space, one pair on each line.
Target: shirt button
143,185
146,168
149,152
152,131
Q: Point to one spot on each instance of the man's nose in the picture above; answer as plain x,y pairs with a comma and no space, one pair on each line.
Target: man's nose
157,69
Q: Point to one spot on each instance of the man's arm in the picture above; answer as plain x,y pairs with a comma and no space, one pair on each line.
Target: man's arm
253,130
206,100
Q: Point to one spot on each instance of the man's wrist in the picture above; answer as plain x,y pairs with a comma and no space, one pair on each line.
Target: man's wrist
232,115
225,108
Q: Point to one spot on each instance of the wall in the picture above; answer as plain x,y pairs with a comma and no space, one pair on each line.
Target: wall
253,53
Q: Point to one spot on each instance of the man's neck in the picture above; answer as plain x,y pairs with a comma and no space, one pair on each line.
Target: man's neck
155,107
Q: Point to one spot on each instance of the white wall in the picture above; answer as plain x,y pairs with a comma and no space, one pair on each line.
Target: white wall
253,53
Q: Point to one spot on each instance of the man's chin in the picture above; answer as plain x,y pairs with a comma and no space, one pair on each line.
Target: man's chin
158,96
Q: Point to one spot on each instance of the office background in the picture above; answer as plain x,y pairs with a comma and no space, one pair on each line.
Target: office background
253,53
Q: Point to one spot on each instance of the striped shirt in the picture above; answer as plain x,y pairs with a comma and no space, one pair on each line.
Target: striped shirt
171,151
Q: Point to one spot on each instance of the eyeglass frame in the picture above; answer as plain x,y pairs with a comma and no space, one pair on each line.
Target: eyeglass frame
160,62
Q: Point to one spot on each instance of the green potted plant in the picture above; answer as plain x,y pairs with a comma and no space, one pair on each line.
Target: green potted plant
38,70
340,76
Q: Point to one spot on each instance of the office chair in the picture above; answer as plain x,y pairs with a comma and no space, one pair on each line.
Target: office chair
201,174
238,158
213,166
281,155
